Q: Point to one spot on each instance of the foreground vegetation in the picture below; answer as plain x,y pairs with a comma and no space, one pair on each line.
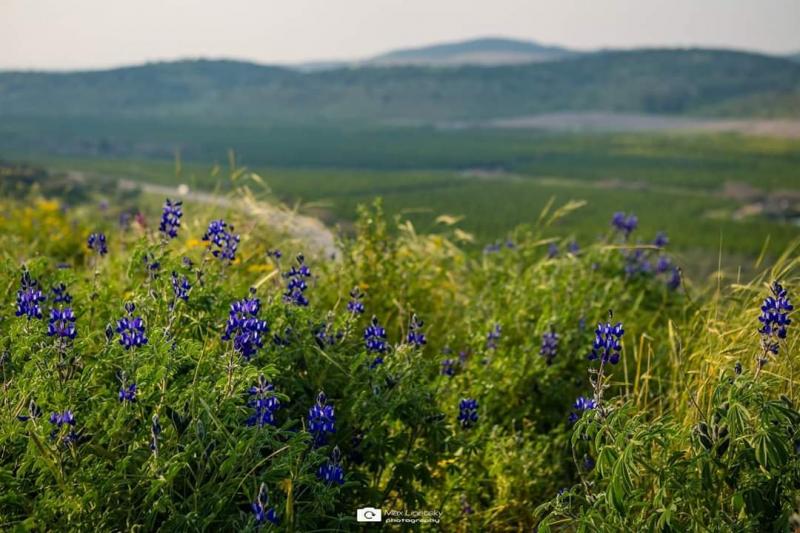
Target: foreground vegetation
187,375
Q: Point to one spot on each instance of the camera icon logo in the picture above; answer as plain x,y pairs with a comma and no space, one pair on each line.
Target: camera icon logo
368,514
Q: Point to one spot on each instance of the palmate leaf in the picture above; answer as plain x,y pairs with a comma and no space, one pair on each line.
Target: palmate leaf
770,450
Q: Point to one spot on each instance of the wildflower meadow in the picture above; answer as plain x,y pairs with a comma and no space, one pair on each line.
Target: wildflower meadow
202,371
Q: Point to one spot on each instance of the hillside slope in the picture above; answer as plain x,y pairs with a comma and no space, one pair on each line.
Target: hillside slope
653,81
487,51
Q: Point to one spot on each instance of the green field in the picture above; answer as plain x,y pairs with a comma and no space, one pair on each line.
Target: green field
497,180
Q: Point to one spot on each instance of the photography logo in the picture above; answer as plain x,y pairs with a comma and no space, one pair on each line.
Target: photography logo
368,514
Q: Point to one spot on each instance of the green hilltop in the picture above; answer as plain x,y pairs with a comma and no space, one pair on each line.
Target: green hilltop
685,82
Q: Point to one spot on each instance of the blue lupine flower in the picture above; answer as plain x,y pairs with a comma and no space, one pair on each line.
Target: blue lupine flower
774,319
275,254
355,306
245,327
493,336
264,403
449,367
171,219
375,341
34,411
180,287
29,297
221,240
663,264
607,346
588,462
61,323
624,224
97,243
283,340
321,420
637,262
674,280
332,472
581,404
155,432
59,420
325,336
296,286
468,412
549,348
131,329
60,294
573,247
128,394
552,250
661,239
415,336
259,507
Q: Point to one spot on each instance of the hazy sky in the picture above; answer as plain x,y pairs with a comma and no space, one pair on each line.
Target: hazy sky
63,34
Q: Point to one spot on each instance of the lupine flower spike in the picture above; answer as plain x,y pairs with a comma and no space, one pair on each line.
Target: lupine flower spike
415,335
261,511
221,241
321,420
355,306
245,327
97,243
131,329
549,348
774,321
170,219
296,285
332,472
468,412
263,402
29,297
375,341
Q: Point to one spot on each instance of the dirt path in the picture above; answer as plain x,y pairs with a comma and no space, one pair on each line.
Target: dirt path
316,236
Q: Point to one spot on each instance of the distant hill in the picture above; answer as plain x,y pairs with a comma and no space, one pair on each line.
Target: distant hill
679,82
487,51
794,57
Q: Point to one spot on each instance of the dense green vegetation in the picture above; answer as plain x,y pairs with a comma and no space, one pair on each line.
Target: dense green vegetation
653,81
687,431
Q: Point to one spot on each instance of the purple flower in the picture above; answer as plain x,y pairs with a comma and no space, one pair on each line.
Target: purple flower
128,394
171,219
375,341
180,288
661,239
60,294
321,420
449,367
245,327
59,420
263,402
415,336
493,336
607,346
61,323
581,404
97,243
260,509
468,412
552,250
549,348
29,297
624,223
296,285
221,240
332,472
774,318
131,329
355,306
